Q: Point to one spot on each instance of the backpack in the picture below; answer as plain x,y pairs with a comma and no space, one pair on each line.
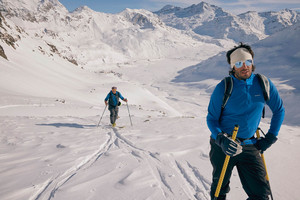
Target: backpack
263,81
111,99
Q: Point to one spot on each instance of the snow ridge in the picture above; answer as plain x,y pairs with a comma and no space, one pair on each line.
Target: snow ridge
206,19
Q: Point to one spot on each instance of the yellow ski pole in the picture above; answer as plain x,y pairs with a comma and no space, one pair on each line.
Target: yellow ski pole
236,128
263,158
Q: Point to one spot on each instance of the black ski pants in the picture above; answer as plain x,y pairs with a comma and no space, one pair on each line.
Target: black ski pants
250,168
114,110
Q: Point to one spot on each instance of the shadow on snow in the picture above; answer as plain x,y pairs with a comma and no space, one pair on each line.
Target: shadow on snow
70,125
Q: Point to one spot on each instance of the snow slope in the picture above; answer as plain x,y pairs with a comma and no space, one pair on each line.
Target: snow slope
50,145
52,149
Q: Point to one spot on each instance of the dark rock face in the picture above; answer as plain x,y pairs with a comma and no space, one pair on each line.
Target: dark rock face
2,53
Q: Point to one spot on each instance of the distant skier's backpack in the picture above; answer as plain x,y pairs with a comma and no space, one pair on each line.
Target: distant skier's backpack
263,81
111,101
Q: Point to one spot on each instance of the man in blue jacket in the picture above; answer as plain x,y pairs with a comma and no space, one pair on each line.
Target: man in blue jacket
244,108
112,100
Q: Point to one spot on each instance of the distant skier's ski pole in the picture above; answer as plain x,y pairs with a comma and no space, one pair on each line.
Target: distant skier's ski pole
129,113
263,158
236,128
102,115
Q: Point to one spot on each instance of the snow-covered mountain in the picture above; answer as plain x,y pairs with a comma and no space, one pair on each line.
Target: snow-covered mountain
88,38
206,19
270,22
190,17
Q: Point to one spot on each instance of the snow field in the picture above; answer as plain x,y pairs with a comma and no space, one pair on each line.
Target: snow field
50,147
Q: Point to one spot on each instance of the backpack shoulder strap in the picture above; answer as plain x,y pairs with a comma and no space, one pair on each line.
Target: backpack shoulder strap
265,85
228,81
118,95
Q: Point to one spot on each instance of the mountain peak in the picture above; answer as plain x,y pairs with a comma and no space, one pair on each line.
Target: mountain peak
144,18
46,5
31,5
202,8
169,9
83,9
198,8
28,10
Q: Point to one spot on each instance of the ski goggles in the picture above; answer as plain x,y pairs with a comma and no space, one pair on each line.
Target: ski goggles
239,64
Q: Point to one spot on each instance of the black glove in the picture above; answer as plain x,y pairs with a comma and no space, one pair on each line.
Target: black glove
265,142
228,145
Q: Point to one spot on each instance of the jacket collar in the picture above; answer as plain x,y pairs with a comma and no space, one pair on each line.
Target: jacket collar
248,81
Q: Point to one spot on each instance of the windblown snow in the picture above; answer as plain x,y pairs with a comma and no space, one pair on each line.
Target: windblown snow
56,68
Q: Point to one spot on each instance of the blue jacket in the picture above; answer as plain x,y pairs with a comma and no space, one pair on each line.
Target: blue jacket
244,108
113,100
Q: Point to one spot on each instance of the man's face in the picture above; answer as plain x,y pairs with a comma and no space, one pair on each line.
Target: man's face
241,60
114,90
243,72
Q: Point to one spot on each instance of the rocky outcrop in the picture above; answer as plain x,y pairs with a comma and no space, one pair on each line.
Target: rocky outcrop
8,39
4,36
71,60
2,53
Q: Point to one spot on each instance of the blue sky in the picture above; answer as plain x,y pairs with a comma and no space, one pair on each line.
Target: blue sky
233,6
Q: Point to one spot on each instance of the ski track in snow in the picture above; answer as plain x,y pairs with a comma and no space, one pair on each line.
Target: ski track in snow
195,182
173,179
50,187
200,192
